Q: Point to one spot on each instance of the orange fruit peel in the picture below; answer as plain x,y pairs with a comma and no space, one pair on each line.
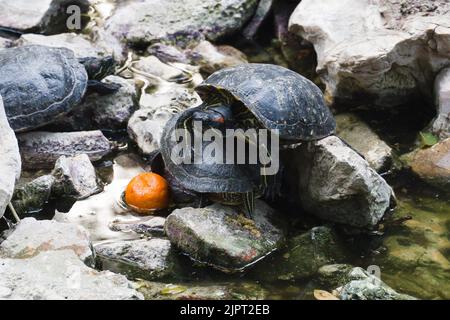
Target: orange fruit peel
147,192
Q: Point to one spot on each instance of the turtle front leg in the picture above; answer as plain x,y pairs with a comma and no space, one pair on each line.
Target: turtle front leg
103,88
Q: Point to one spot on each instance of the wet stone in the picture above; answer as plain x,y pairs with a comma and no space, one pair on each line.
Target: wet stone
149,226
34,195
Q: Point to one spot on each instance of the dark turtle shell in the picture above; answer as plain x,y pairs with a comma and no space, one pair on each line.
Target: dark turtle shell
206,176
38,84
278,97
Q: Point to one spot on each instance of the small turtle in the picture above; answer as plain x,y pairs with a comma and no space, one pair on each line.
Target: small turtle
248,96
39,83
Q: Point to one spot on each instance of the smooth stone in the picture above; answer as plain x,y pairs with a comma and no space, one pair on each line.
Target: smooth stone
432,165
34,195
40,16
332,276
147,226
381,52
40,150
336,184
441,124
150,21
167,53
146,259
10,162
304,255
61,275
222,238
361,137
75,177
31,237
368,287
188,291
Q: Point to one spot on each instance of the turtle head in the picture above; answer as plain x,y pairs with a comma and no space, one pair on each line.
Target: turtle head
217,116
98,68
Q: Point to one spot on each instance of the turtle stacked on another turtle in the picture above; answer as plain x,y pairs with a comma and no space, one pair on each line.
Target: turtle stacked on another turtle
39,84
246,96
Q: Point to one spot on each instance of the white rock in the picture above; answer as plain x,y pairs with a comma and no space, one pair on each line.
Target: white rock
10,163
441,124
61,275
376,50
361,137
31,237
75,177
336,184
46,16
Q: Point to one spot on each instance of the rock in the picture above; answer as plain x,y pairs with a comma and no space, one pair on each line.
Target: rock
61,275
10,162
4,43
336,184
432,164
148,226
155,67
167,53
75,177
304,255
40,150
146,125
381,52
441,124
211,58
218,236
368,287
40,16
79,44
262,12
361,137
331,276
33,196
150,21
31,237
146,259
238,291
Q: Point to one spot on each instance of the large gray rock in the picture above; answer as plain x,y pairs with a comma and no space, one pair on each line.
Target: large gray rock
337,185
150,21
31,237
304,255
42,149
40,16
75,177
60,275
377,51
441,124
32,196
10,162
364,286
218,236
79,44
361,137
148,259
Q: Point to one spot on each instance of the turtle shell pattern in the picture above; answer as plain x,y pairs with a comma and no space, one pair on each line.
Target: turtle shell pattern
39,84
279,98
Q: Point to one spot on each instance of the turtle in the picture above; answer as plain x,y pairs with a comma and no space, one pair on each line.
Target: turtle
39,83
248,96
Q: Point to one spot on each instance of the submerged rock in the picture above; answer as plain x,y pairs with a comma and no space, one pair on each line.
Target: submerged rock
40,150
148,259
150,21
33,196
148,226
368,287
61,275
40,16
31,237
441,124
331,276
218,236
304,255
75,177
432,164
336,184
384,52
239,291
10,162
361,137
